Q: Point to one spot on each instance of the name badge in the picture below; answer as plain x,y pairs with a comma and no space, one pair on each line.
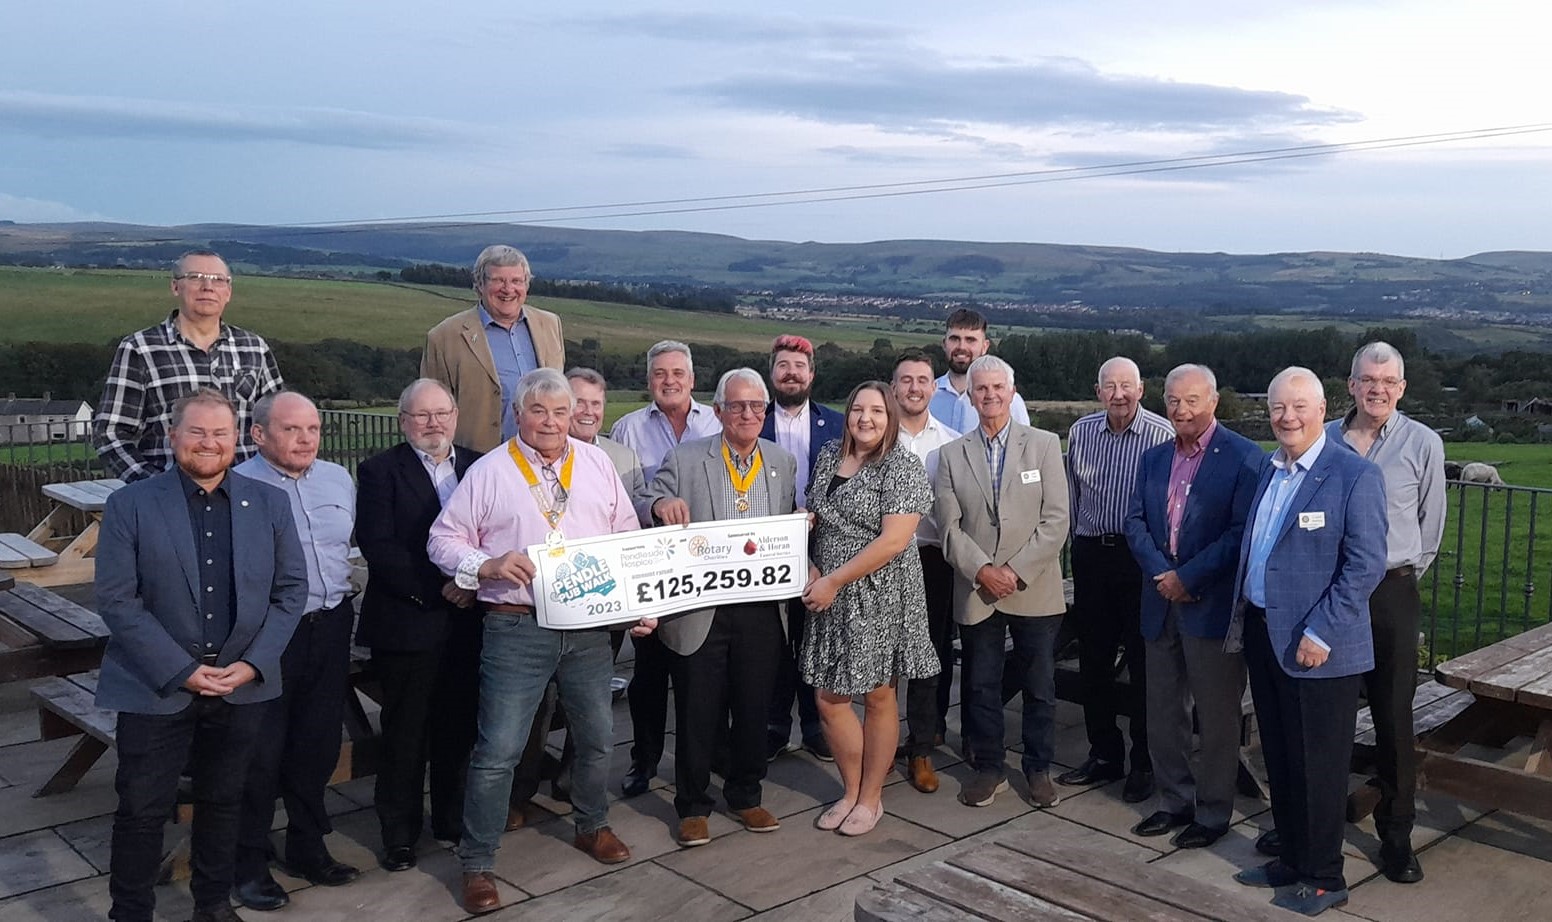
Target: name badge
1309,521
1029,476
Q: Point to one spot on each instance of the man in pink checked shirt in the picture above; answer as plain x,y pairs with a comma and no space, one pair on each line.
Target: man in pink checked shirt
540,487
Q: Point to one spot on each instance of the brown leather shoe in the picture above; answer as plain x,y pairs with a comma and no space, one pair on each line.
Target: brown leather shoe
758,819
603,845
479,892
919,772
515,819
693,831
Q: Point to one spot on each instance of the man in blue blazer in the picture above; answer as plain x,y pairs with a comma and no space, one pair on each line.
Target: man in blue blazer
1312,554
195,641
802,427
1184,528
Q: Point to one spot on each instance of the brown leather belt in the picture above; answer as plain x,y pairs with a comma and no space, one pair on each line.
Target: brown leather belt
1405,569
509,609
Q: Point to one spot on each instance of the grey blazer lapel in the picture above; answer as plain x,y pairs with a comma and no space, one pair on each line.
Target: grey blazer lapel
180,531
975,459
712,465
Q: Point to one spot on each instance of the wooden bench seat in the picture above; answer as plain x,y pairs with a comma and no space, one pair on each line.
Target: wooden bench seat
18,552
42,634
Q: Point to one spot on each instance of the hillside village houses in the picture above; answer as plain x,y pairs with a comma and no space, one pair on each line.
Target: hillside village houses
43,419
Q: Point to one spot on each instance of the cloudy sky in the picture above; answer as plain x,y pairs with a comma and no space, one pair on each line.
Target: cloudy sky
577,112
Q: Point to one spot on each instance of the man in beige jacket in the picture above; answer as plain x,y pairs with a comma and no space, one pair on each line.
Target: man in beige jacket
1001,502
481,353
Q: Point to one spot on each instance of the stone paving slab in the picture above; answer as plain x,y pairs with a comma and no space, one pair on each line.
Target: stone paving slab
429,892
87,901
636,894
809,859
1466,880
832,904
34,860
1523,835
1102,807
941,811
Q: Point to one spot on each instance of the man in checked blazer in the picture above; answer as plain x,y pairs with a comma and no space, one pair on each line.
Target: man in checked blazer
421,628
481,353
724,659
1312,554
1184,528
1001,503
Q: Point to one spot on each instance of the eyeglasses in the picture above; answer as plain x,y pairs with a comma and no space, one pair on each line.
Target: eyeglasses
740,407
1387,383
425,417
198,277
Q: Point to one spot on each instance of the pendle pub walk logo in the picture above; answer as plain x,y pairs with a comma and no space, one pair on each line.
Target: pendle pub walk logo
583,575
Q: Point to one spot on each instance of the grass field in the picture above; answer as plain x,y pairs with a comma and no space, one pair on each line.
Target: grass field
49,305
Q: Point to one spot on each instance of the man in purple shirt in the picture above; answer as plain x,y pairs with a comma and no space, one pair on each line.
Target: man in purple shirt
1184,526
540,486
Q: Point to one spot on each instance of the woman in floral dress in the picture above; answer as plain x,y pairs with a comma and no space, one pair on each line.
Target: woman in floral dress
869,623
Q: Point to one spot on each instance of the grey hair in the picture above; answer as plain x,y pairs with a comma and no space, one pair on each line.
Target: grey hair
740,374
211,254
266,405
1117,360
990,363
670,345
408,394
1289,374
542,382
1378,352
498,255
591,376
1180,371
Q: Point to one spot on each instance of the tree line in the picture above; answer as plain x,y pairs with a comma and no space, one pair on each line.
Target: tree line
674,297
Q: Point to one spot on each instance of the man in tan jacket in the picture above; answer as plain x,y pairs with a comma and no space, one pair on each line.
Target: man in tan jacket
1001,502
481,353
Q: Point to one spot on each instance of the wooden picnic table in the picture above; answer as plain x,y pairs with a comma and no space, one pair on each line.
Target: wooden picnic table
88,496
45,634
1511,682
1024,876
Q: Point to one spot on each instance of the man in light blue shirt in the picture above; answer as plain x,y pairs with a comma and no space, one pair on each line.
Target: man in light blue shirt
965,342
300,741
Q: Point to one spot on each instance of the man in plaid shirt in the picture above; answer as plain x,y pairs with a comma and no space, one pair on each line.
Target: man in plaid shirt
192,348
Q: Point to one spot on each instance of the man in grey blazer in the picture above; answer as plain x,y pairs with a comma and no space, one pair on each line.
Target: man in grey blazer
195,643
480,354
724,659
1001,502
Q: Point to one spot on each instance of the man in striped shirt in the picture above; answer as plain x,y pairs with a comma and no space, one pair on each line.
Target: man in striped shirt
1104,450
191,349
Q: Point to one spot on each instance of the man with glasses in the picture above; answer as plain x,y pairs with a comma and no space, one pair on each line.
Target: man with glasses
156,366
724,659
481,353
423,633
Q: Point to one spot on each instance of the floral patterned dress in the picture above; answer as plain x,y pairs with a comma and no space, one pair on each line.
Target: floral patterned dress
876,630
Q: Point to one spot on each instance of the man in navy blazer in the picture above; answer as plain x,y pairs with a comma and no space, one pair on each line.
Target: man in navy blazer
802,427
1312,554
421,628
195,640
1184,528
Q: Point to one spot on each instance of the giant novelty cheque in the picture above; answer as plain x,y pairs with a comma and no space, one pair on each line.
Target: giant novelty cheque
610,579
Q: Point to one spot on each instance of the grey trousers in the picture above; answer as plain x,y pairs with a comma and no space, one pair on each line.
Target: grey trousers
1183,670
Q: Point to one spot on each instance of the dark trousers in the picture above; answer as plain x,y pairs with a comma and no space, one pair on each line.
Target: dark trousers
299,745
1306,728
1394,611
648,700
430,701
1107,607
981,682
790,685
926,700
731,675
214,740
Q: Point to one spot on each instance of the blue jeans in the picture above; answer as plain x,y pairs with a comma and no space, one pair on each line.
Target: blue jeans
517,661
1034,643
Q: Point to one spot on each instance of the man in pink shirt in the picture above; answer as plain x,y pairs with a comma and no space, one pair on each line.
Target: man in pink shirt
540,487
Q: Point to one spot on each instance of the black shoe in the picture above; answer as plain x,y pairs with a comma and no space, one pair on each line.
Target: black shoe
1161,822
1270,843
1138,787
325,871
818,748
1400,865
1091,772
401,858
262,894
1198,836
218,913
636,782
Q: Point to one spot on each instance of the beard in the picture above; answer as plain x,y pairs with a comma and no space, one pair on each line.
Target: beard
789,401
959,364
